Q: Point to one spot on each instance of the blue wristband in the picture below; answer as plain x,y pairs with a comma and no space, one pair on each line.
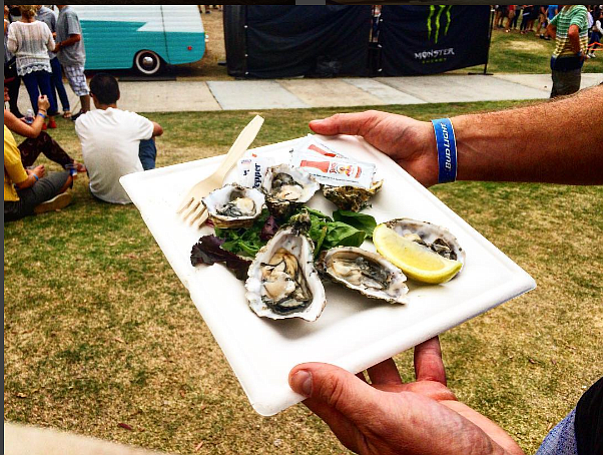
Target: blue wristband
446,142
35,177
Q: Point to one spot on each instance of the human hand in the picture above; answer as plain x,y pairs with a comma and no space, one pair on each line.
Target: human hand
43,103
390,417
409,142
39,171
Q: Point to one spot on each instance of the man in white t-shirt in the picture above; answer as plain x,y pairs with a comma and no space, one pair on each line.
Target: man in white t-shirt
114,142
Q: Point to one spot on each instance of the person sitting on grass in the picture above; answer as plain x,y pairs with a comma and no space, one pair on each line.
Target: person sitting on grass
114,142
38,142
31,191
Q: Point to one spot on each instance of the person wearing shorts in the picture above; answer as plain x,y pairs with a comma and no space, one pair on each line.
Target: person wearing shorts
72,54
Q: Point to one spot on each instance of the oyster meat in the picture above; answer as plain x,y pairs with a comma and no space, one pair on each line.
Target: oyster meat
434,237
350,197
287,188
366,272
282,281
234,206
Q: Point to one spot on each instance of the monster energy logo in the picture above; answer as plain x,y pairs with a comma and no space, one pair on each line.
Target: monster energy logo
437,18
438,14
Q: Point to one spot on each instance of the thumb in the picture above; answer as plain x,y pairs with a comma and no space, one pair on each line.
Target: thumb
333,392
357,123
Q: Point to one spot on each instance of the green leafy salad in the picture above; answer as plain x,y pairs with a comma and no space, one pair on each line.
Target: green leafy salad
237,247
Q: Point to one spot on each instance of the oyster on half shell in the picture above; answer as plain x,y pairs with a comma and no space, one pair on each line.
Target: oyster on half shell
287,188
234,206
365,272
282,281
350,197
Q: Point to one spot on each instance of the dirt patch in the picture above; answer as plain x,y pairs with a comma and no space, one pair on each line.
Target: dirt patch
526,46
208,69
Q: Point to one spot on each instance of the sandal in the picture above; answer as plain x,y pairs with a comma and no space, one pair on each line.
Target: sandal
67,114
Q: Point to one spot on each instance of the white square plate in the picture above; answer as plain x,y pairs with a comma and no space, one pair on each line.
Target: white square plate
353,332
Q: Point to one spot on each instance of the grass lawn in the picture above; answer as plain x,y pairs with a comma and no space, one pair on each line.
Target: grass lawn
98,331
509,53
516,53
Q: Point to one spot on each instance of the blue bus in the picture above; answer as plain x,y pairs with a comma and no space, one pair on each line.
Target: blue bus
143,37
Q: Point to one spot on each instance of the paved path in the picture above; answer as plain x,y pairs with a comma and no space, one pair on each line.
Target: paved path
183,95
29,440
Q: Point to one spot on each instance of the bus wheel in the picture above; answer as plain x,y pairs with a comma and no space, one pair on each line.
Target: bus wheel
147,63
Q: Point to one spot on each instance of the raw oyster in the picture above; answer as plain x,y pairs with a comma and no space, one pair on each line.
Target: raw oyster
349,197
234,206
434,237
282,282
366,272
287,188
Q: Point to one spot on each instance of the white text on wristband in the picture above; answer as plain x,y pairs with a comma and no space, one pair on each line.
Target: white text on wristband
446,143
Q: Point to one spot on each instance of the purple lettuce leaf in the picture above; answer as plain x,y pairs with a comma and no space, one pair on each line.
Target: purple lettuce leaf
208,251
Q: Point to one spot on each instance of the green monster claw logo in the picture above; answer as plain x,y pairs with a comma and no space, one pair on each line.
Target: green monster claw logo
436,21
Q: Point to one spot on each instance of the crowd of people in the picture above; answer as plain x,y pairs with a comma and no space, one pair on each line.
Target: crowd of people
536,18
39,49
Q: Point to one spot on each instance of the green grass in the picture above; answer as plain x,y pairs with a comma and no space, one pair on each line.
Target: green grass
516,53
98,330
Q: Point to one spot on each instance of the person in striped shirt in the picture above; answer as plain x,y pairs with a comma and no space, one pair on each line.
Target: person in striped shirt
570,30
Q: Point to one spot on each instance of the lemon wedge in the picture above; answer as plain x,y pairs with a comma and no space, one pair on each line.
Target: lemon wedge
416,261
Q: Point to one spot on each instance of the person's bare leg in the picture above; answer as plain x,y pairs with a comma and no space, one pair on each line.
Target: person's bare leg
85,100
67,185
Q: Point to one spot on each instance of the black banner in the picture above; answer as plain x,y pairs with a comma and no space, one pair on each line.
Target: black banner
432,39
327,41
289,41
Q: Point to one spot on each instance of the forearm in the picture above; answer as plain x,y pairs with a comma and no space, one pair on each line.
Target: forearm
21,128
508,145
574,38
34,129
69,41
29,182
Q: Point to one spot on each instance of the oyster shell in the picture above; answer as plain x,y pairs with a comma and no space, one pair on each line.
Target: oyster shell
282,282
234,206
349,197
287,188
437,238
366,272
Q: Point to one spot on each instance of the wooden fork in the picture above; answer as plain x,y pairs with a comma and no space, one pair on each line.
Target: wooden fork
191,208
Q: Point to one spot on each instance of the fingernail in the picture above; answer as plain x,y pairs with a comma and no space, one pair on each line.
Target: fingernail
301,382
